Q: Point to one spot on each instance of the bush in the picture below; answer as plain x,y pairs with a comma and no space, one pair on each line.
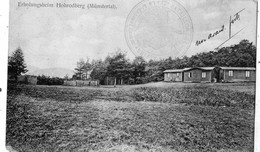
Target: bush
44,80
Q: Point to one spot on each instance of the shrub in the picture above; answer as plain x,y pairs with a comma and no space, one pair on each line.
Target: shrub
44,80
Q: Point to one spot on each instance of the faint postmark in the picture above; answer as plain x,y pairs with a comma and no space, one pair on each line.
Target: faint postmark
158,28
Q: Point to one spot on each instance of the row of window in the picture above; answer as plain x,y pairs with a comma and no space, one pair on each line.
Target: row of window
203,75
230,73
190,74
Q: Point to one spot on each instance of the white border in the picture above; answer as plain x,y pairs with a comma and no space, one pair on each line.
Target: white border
257,96
4,22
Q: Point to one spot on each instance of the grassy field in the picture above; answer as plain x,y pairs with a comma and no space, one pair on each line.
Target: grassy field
163,117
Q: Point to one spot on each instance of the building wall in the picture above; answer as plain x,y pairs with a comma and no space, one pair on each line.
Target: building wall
81,83
196,76
173,77
208,77
238,75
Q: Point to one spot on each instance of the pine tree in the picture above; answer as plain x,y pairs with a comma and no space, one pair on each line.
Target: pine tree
16,64
83,69
119,67
80,69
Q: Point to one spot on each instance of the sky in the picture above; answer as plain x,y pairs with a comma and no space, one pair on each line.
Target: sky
59,37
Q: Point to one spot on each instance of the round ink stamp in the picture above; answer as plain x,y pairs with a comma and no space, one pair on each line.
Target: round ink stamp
159,29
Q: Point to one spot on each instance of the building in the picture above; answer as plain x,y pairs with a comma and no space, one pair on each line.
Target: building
196,74
175,75
211,74
237,74
199,74
81,83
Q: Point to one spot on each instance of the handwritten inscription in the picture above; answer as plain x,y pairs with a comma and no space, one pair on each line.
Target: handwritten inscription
211,35
234,19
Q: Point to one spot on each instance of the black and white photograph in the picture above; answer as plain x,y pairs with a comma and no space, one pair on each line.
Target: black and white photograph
131,76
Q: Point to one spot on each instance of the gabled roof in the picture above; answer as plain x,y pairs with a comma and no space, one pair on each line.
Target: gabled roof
173,71
208,69
201,68
238,68
187,69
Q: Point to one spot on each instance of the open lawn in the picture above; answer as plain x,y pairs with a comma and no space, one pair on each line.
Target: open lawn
165,117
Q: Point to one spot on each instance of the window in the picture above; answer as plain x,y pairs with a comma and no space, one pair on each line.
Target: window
190,75
230,73
203,74
247,74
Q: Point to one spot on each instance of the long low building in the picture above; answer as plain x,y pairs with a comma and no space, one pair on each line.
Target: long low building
235,74
210,74
175,75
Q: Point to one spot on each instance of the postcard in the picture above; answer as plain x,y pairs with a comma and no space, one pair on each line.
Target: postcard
131,76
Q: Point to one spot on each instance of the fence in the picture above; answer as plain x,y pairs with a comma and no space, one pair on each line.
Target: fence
81,83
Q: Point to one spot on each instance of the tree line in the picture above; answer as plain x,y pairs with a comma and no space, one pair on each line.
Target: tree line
121,70
138,71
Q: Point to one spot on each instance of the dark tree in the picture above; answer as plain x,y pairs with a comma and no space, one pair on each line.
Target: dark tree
139,69
83,68
99,71
119,67
16,64
154,71
79,69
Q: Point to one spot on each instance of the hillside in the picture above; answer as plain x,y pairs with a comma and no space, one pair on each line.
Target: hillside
52,72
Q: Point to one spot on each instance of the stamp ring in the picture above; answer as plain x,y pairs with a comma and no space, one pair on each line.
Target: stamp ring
158,28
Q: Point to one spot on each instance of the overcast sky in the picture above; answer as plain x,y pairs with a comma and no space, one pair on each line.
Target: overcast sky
55,37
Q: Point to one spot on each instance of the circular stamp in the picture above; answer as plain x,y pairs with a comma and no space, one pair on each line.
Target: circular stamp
158,29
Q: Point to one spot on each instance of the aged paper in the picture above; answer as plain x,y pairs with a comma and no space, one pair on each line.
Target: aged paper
140,75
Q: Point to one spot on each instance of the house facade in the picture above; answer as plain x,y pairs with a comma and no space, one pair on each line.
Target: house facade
198,74
238,74
173,75
211,74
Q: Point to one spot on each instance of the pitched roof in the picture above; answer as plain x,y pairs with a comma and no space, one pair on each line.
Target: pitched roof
202,68
208,68
186,69
173,71
238,68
